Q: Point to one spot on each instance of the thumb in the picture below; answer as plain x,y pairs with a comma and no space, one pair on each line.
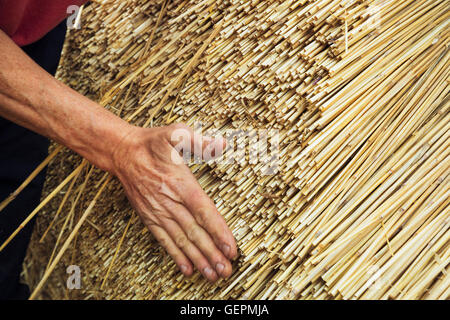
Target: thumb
187,142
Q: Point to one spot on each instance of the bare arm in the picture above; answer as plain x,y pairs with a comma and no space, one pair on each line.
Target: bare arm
32,98
165,194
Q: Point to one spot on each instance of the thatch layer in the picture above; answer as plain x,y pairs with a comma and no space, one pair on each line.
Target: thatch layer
358,91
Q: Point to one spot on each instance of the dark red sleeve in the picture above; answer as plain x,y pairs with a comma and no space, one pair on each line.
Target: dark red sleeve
26,21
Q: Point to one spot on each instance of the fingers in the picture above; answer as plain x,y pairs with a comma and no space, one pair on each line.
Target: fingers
177,255
193,196
201,239
189,249
207,216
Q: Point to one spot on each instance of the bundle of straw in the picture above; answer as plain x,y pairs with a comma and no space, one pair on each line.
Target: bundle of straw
358,91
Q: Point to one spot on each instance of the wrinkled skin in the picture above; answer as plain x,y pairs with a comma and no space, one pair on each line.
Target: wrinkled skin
164,192
171,203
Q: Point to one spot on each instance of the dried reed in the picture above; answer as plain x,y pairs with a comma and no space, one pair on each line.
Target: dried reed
359,93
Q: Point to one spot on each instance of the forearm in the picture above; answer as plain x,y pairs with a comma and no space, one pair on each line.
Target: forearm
32,98
161,188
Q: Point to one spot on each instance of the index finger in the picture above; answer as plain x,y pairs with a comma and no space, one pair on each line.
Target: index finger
207,215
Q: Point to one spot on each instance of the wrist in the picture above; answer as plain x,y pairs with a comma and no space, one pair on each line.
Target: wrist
109,139
94,133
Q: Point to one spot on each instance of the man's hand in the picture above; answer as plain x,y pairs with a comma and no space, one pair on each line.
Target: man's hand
171,202
163,191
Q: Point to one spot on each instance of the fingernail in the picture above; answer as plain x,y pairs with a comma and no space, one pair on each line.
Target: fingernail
208,272
183,269
219,268
226,249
